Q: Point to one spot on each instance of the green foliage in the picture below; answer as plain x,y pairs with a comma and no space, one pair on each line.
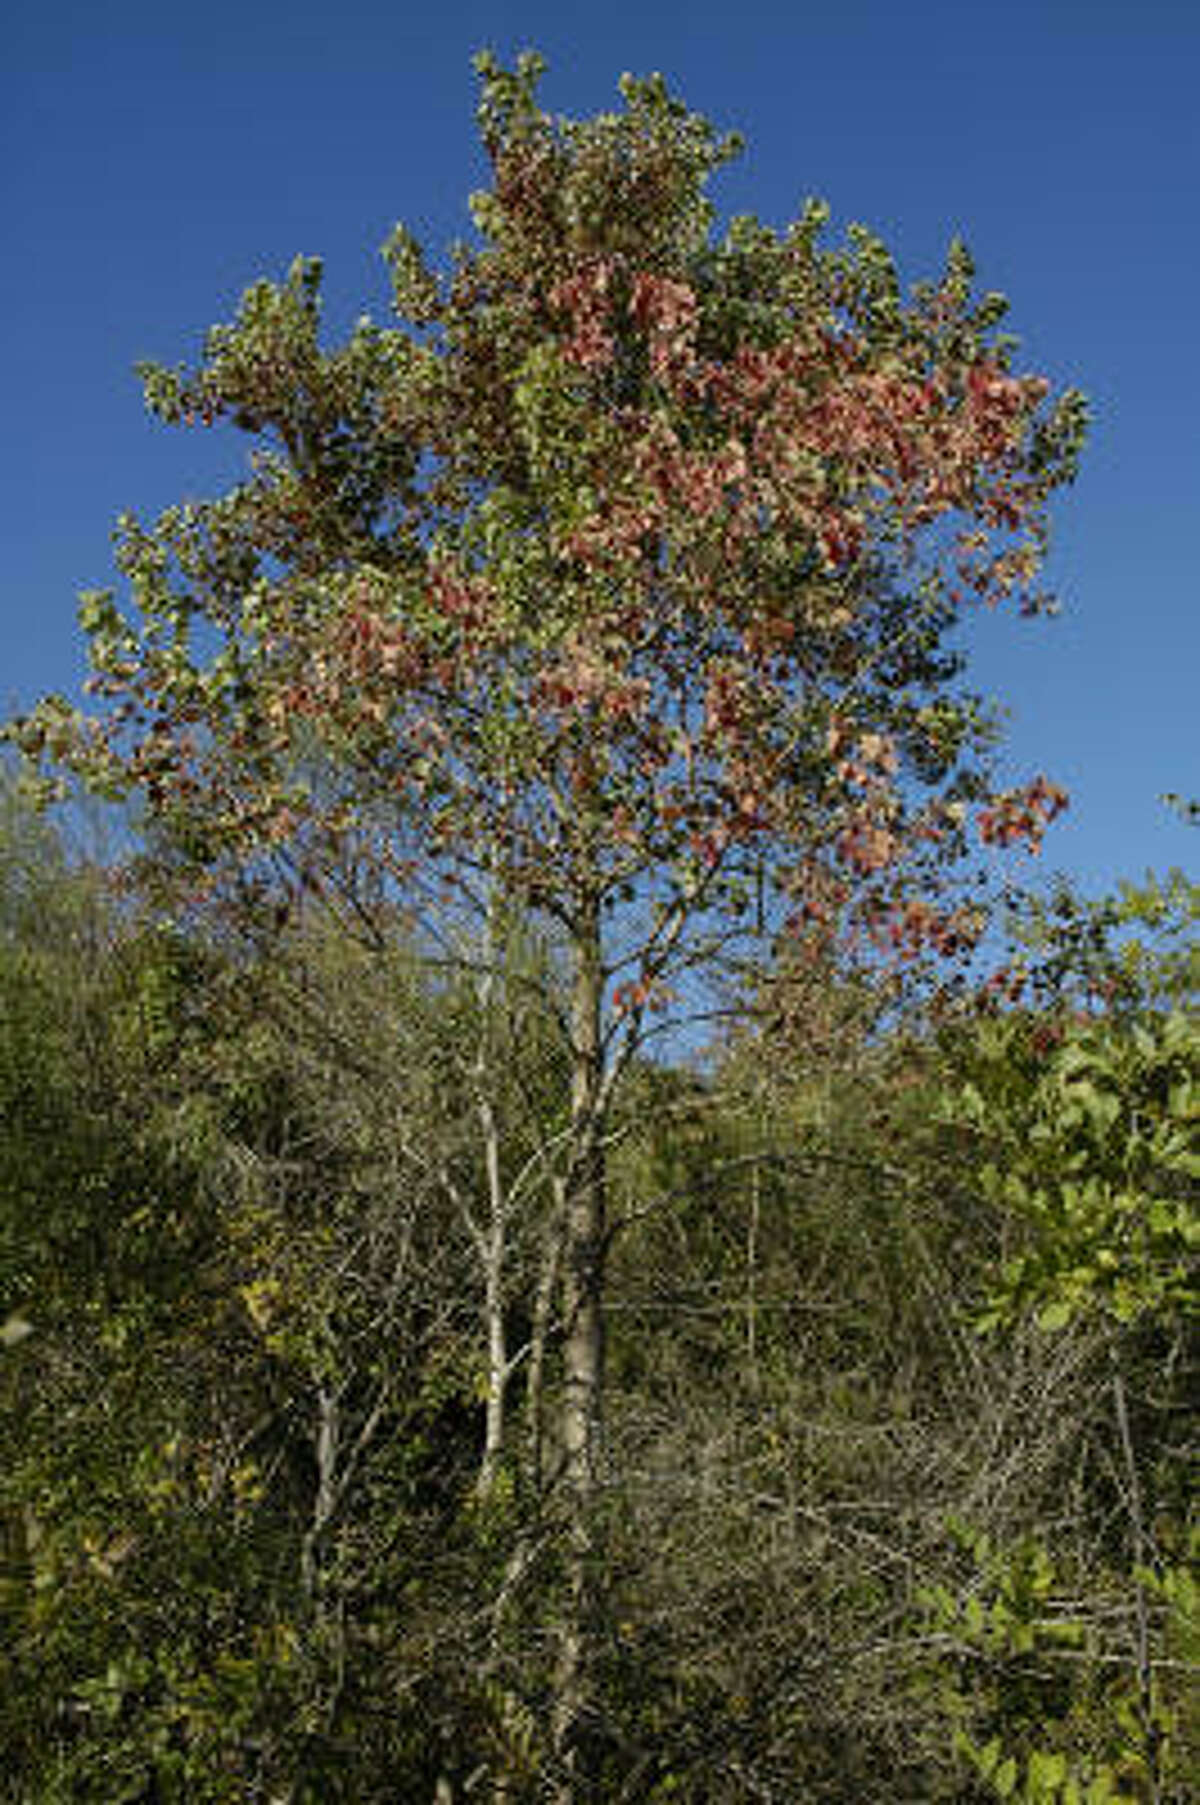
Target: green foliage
229,1230
1036,1715
1034,1719
1087,1135
1081,1130
1129,952
240,1374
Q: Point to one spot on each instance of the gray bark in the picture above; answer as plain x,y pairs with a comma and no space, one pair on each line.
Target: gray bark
583,1358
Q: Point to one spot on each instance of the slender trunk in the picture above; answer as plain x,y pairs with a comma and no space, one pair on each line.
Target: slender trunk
326,1447
752,1278
326,1603
492,1241
543,1307
493,1251
583,1357
1151,1741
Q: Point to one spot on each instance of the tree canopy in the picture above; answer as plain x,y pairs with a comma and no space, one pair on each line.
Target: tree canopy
624,561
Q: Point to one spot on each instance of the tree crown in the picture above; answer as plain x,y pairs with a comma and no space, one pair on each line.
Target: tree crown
624,563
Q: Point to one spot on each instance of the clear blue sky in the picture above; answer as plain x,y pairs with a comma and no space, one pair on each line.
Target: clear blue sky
158,158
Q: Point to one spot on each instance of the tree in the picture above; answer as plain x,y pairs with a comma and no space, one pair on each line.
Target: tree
1082,1117
612,586
237,1367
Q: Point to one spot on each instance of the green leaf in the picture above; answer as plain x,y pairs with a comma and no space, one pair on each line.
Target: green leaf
1005,1778
987,1757
1058,1314
1047,1771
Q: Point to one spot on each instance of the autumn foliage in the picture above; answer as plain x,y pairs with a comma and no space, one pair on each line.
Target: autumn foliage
628,553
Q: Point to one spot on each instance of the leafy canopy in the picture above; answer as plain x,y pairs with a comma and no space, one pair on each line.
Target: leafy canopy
621,564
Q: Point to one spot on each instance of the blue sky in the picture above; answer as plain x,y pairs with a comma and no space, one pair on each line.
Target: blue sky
157,159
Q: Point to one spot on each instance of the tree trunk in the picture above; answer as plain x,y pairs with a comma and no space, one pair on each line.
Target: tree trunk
1151,1737
583,1359
493,1248
492,1241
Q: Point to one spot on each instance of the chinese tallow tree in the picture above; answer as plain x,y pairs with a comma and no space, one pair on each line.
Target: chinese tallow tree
612,584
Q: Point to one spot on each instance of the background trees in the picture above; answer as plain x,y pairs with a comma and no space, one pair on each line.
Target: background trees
850,1545
1086,1129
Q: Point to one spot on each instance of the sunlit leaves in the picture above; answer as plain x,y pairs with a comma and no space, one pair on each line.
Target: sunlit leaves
1088,1136
504,566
